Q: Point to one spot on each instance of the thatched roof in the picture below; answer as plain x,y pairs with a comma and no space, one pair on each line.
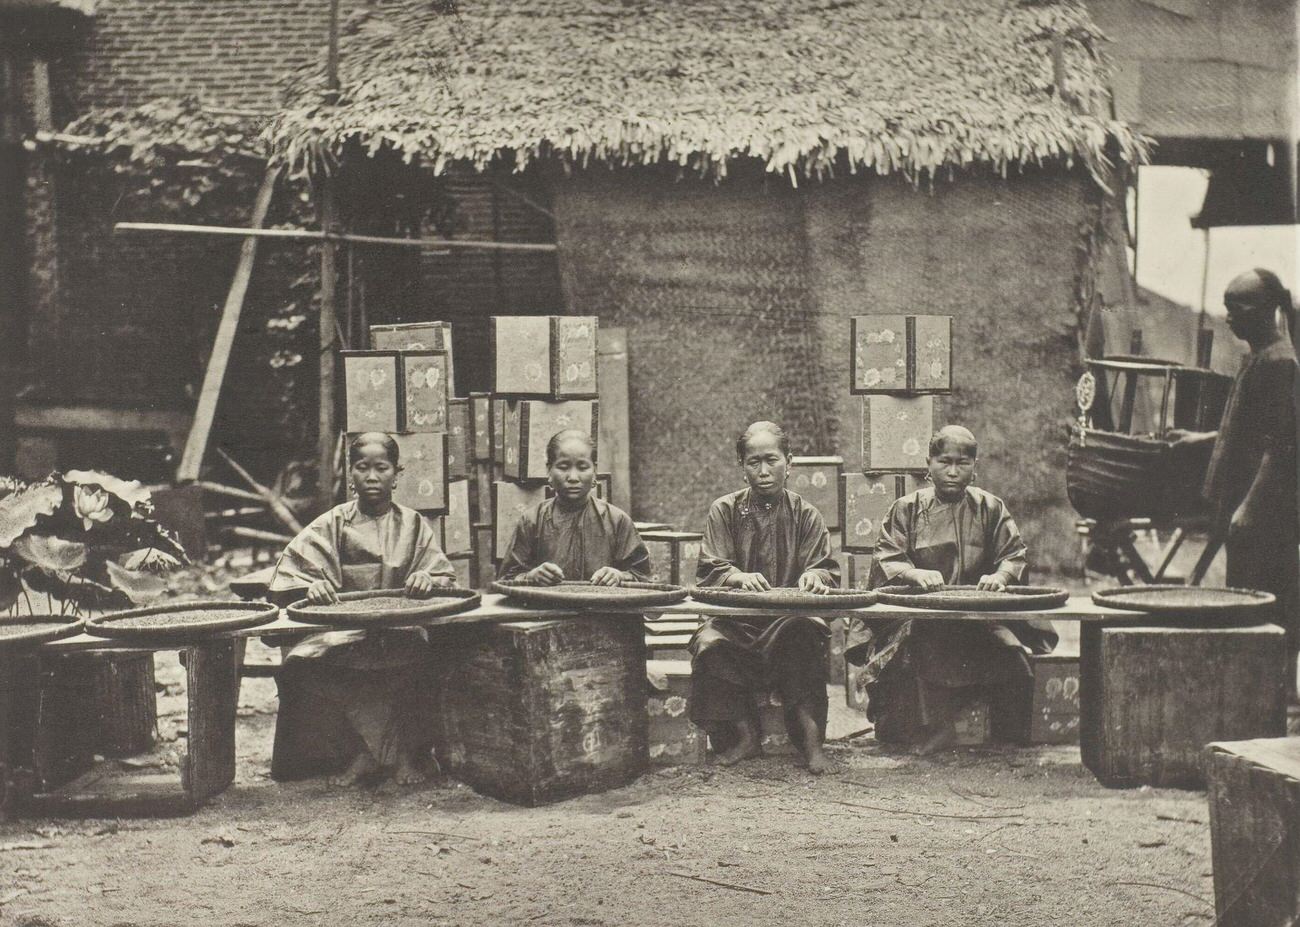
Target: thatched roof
806,86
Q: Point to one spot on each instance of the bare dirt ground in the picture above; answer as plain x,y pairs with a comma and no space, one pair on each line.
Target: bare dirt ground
1005,836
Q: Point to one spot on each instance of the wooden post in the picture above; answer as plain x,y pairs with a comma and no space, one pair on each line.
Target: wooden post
12,247
227,329
326,437
212,689
614,441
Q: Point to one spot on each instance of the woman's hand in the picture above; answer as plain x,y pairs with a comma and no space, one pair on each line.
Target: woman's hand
812,582
421,583
322,592
926,579
545,574
607,576
750,582
992,582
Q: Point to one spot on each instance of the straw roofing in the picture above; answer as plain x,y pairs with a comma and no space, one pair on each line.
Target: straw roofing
806,86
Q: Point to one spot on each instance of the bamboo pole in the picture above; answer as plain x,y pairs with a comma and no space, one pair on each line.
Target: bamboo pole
311,235
326,436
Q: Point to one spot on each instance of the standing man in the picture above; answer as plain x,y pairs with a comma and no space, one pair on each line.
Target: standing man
1251,480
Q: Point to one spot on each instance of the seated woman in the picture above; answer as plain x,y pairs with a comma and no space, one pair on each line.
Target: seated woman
758,538
354,695
574,535
920,674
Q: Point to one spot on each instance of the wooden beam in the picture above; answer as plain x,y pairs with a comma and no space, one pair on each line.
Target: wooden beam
311,235
204,413
326,437
278,508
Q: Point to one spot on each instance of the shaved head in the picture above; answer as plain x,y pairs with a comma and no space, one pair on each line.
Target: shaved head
955,436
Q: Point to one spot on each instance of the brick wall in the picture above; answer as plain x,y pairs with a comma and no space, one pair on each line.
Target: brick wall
227,53
737,297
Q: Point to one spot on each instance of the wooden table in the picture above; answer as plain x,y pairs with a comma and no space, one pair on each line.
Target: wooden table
213,667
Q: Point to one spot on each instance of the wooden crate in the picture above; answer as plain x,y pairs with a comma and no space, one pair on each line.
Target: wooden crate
480,413
371,391
463,564
550,357
901,354
835,650
537,711
417,336
509,502
817,480
484,571
668,646
866,498
459,437
855,570
530,425
674,555
1155,696
1054,709
896,431
1254,794
500,413
673,739
481,493
424,390
457,525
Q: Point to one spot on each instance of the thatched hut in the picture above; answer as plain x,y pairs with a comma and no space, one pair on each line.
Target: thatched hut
731,180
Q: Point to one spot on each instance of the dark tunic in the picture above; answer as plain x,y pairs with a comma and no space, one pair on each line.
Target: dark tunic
579,543
733,660
344,690
1259,418
963,540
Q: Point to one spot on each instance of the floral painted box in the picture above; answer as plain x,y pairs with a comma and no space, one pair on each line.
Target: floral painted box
530,425
552,357
509,503
459,437
416,336
372,396
457,525
480,413
866,500
424,387
817,480
896,431
901,354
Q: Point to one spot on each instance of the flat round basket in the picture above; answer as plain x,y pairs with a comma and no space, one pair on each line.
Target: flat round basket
385,608
971,598
582,594
26,630
181,621
784,597
1182,600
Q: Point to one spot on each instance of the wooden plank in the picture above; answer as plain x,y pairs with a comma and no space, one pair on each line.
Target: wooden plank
210,393
19,675
212,683
432,244
124,703
615,437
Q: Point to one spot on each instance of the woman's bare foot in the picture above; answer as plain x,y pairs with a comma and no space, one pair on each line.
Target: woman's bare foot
363,767
813,754
747,745
407,773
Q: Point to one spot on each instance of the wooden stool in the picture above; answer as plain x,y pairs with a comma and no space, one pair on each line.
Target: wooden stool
1153,697
1254,797
537,711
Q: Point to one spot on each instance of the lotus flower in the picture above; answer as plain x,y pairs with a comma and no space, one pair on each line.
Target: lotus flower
91,504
